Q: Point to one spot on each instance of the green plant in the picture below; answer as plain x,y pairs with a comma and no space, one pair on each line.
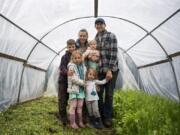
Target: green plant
39,117
137,113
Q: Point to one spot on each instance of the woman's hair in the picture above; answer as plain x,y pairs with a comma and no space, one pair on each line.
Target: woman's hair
74,54
84,30
91,70
78,44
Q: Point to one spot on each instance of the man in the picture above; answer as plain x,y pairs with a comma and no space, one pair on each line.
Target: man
107,45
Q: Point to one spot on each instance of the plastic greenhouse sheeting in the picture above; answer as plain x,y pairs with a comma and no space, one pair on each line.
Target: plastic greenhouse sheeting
10,80
12,35
156,80
33,36
176,63
168,34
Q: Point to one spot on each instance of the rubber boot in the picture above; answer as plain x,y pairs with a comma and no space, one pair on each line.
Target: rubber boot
80,120
72,121
91,121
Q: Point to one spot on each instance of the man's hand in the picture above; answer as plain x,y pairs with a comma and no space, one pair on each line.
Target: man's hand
109,75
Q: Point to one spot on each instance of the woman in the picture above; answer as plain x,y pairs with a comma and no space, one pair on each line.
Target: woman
82,41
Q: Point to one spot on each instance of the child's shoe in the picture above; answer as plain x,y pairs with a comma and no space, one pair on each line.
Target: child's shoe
91,122
80,120
72,121
98,123
74,126
81,125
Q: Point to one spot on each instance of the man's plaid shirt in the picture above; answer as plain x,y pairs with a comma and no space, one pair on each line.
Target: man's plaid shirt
107,45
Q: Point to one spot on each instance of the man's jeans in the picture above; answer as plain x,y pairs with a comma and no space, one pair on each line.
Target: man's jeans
106,102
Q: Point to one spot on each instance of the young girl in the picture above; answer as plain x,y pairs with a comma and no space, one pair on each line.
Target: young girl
76,85
92,98
93,55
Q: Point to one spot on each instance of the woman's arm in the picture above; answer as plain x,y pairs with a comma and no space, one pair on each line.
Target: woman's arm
86,53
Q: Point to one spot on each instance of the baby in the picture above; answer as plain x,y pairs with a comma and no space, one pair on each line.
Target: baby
93,55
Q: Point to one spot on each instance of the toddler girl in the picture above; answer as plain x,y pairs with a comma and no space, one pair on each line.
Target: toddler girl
92,98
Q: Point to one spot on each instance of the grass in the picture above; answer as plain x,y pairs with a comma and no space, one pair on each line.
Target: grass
39,117
135,113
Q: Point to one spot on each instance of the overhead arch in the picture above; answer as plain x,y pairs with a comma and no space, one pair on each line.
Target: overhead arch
131,22
118,18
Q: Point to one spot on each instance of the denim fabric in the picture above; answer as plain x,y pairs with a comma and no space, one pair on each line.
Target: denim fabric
106,103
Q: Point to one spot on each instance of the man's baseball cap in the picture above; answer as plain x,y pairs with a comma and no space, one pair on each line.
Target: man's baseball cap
99,20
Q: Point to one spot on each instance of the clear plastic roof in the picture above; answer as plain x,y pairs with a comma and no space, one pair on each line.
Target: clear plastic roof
148,30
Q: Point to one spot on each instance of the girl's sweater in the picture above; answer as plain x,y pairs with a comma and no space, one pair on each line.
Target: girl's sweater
91,92
74,82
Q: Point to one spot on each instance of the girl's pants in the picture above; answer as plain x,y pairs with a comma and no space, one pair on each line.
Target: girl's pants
93,108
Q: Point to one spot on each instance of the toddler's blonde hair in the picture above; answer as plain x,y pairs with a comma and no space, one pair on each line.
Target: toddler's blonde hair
92,42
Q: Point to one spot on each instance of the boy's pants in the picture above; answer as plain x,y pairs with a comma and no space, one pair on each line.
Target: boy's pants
63,100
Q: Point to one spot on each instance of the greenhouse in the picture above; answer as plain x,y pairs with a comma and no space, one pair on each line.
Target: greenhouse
33,35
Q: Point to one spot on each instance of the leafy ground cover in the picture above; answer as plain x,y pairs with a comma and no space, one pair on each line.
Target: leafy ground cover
135,113
39,117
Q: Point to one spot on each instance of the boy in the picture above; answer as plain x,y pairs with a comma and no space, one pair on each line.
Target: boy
62,91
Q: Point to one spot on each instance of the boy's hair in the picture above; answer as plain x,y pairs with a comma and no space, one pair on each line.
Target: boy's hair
74,54
94,71
70,42
92,41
